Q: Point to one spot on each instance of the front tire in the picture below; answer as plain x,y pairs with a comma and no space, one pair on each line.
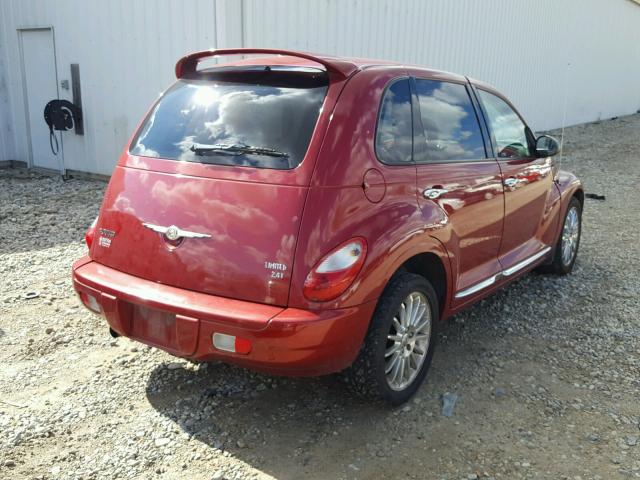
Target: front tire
398,347
566,250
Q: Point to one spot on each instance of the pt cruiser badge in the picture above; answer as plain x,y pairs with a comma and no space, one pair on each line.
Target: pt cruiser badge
174,233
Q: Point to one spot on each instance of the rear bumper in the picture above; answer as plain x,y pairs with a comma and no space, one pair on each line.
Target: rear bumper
284,341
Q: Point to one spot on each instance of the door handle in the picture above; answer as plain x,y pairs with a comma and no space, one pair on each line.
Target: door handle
511,182
433,193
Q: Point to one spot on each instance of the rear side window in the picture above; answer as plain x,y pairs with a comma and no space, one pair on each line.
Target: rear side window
449,123
509,131
394,134
258,117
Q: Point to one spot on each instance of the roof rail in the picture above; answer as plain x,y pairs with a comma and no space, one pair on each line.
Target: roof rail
188,64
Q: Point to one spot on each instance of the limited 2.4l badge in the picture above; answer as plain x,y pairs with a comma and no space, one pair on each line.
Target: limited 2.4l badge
277,269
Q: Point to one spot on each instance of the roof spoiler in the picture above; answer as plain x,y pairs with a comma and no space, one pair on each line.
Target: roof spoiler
188,64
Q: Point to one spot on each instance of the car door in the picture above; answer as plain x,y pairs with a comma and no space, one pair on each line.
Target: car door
527,179
457,178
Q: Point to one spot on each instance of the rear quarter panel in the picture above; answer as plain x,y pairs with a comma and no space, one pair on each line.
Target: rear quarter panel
337,208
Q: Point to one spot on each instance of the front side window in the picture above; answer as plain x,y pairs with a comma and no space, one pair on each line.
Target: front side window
509,131
394,133
449,122
258,117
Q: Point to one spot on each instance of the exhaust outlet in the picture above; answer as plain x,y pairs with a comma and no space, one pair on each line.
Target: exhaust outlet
113,333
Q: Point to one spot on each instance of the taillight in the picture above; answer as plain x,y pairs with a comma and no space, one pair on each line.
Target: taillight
336,271
91,233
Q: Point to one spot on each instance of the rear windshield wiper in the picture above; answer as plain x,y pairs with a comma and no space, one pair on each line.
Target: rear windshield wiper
235,149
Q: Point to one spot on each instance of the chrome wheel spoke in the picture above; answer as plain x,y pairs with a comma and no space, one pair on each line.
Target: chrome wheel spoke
417,358
397,369
409,305
401,370
424,323
420,314
412,362
391,363
391,350
396,324
403,315
573,224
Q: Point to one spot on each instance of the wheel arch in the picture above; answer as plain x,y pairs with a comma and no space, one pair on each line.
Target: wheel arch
579,194
430,266
569,187
430,260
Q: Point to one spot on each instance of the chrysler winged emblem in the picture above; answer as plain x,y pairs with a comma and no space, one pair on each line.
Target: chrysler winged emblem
174,233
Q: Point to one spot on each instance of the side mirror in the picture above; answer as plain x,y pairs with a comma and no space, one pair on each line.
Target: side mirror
546,146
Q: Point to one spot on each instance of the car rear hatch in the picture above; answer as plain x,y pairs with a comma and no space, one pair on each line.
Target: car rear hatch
210,193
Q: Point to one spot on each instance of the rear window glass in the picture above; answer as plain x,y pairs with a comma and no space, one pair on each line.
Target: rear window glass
450,126
255,117
394,136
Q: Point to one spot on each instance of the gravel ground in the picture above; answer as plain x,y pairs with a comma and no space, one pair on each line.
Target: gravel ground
546,372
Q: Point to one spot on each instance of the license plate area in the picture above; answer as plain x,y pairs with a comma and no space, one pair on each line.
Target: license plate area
154,326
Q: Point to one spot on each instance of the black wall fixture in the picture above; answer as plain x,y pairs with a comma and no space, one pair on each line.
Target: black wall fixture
77,97
64,115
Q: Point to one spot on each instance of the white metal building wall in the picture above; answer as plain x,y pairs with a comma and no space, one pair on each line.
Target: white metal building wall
523,48
532,51
126,51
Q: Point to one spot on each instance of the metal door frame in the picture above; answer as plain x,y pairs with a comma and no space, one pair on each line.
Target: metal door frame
20,30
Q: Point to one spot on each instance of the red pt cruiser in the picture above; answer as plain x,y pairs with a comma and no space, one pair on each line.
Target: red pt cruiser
303,215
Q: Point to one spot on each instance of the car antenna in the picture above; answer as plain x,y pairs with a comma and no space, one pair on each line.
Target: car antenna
564,113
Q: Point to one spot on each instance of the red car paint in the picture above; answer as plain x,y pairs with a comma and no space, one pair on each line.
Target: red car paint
268,228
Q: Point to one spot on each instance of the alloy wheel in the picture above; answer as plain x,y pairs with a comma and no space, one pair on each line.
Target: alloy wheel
408,341
570,236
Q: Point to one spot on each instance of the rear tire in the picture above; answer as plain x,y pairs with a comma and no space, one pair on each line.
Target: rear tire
566,250
398,348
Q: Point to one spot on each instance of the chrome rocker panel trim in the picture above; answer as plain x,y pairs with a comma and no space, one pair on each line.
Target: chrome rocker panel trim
507,272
